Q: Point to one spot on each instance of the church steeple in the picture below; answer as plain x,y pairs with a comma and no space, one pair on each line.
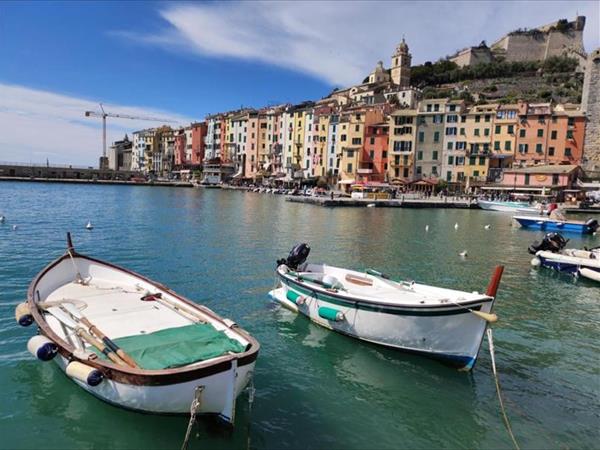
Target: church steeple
400,69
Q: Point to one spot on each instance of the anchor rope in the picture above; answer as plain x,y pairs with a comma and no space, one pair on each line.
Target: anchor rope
194,407
498,391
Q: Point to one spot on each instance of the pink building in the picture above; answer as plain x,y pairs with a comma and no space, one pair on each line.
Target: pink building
179,148
198,134
538,178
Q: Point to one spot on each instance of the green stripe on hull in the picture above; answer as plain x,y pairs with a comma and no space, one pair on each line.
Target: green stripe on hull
357,304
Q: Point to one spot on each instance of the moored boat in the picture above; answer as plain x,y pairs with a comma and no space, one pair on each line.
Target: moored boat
551,253
511,206
441,323
549,224
133,342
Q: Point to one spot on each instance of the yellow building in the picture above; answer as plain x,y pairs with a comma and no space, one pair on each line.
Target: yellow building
321,124
402,139
350,138
475,129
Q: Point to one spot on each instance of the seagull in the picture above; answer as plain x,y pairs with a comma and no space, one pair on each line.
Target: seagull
487,227
2,219
456,226
89,225
15,227
463,254
426,227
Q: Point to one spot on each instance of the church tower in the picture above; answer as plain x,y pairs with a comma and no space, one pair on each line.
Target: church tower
400,68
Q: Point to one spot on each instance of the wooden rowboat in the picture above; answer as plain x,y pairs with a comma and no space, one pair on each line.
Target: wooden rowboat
133,342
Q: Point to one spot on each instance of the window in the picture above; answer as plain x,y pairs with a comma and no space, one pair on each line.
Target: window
488,117
511,129
451,131
397,159
522,132
343,138
419,170
421,136
569,134
357,128
550,151
452,108
350,153
434,171
450,160
461,145
571,121
435,155
476,132
358,117
405,160
372,140
498,129
478,118
526,179
567,151
452,118
356,141
450,145
553,134
482,160
460,160
436,107
523,148
486,132
555,179
540,132
384,154
419,155
349,168
436,136
463,119
538,148
462,132
428,108
402,146
438,118
507,146
472,160
476,173
405,172
448,176
497,145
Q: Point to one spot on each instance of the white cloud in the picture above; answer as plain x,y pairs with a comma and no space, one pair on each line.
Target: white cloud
340,42
36,124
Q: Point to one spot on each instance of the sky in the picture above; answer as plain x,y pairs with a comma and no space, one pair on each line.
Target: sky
179,61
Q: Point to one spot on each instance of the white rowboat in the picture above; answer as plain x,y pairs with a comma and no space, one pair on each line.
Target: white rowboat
181,349
441,323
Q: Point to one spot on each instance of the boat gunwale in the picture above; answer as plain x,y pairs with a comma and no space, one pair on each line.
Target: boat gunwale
399,307
136,376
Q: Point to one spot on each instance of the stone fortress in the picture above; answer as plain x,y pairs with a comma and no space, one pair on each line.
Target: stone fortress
590,104
537,44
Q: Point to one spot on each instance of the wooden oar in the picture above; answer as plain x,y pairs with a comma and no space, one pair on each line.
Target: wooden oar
179,309
63,317
71,309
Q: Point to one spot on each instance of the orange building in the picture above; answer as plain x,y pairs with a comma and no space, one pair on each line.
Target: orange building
374,159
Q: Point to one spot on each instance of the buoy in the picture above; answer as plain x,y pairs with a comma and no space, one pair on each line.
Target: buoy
331,314
463,254
456,226
15,227
426,227
23,315
84,373
292,296
2,219
535,262
89,226
42,348
487,227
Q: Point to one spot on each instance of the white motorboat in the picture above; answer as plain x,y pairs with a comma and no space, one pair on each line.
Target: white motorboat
442,323
551,253
511,206
133,342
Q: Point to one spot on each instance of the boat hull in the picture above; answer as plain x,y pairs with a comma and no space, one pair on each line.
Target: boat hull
452,335
545,224
218,394
589,268
512,207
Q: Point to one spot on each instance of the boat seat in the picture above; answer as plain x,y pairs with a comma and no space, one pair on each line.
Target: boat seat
361,281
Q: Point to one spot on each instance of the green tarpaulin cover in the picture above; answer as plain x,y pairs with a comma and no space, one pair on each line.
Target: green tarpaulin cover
176,347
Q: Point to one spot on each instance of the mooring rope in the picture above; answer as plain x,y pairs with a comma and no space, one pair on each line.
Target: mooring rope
497,381
194,407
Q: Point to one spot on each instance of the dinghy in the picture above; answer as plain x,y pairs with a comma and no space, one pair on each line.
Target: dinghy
549,224
551,253
133,342
441,323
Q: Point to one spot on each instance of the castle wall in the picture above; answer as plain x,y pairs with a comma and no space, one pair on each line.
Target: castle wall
590,104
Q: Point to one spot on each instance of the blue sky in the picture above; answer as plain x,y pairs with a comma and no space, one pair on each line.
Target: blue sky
184,60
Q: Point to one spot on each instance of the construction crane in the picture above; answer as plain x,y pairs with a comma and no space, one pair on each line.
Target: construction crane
104,115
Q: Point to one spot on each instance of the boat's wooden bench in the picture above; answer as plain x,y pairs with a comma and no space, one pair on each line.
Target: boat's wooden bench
361,281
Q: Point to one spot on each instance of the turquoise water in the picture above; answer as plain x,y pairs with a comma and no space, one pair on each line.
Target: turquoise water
314,388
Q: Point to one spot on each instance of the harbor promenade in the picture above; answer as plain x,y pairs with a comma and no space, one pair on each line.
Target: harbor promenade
402,202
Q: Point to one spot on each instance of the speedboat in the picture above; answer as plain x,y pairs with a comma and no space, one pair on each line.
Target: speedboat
445,324
510,206
133,342
551,253
549,224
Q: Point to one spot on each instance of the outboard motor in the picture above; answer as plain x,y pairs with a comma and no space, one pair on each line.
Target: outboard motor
297,256
592,224
552,242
